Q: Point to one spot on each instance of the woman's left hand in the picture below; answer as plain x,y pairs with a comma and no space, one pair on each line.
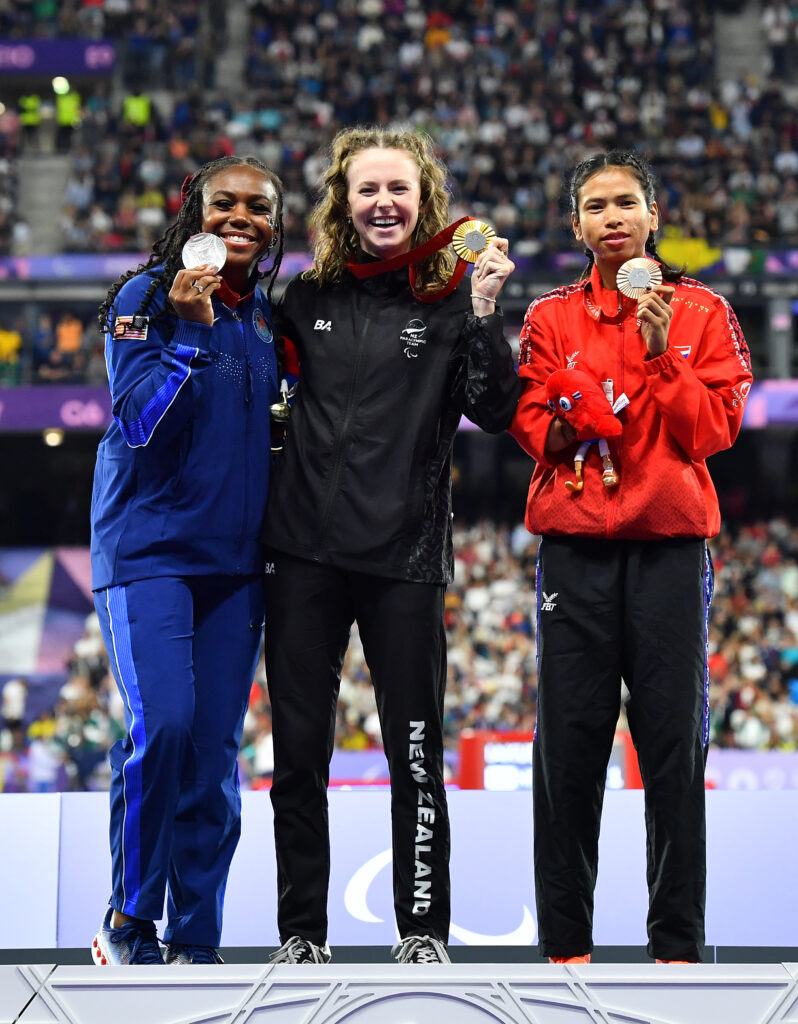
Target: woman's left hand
654,313
492,268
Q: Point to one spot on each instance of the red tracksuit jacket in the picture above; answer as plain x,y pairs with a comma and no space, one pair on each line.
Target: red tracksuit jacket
684,405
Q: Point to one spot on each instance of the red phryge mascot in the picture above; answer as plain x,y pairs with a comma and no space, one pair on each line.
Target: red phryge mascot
582,402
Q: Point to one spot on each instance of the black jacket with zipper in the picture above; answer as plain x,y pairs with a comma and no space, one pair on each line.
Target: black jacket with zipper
364,480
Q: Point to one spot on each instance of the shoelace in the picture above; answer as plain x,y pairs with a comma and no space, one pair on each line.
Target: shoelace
418,949
144,949
297,951
197,954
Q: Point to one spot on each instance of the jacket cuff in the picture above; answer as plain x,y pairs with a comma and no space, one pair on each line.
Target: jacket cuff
497,316
192,334
655,365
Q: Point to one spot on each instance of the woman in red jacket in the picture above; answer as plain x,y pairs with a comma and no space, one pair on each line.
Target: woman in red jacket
624,575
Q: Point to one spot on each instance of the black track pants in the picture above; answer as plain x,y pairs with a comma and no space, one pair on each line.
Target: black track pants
637,610
310,609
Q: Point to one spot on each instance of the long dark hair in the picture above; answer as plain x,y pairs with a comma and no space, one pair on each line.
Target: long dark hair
627,160
168,248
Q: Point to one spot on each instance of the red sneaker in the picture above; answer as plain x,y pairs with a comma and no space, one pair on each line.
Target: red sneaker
570,959
675,961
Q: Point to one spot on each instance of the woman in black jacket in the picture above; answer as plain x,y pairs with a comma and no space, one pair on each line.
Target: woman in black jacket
391,352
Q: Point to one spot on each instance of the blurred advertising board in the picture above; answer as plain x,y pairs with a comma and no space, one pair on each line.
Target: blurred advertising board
502,761
76,407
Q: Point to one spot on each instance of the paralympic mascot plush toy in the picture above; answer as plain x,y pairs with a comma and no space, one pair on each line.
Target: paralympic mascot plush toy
574,396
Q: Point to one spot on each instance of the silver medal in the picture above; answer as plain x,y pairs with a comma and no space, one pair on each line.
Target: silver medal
202,249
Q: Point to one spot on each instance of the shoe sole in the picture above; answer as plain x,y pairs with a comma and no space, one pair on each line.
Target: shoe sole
98,958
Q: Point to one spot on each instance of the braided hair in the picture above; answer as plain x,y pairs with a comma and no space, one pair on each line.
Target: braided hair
626,160
167,250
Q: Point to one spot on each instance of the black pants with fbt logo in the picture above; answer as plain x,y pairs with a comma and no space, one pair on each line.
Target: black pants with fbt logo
310,609
638,611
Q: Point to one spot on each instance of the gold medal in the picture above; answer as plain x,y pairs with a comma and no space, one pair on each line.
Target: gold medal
472,238
638,276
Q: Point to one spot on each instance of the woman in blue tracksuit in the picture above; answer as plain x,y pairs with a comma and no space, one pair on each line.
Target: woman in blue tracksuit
180,488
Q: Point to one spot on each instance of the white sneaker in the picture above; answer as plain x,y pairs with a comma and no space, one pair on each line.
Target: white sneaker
300,951
420,949
133,943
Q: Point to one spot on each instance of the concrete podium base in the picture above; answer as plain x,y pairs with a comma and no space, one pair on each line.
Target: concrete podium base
393,994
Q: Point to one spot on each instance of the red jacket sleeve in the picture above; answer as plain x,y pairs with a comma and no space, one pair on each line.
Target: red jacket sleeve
538,359
702,404
291,364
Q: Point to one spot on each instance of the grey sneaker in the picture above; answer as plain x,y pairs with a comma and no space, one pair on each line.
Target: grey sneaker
133,943
300,951
420,949
177,953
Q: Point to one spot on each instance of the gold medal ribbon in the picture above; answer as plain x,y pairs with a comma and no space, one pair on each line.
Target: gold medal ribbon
413,256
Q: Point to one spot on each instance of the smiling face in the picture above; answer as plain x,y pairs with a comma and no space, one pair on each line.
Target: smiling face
384,200
613,219
241,206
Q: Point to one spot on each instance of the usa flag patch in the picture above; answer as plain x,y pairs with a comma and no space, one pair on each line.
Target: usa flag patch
133,328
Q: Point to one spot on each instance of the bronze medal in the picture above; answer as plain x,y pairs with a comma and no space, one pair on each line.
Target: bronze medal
637,276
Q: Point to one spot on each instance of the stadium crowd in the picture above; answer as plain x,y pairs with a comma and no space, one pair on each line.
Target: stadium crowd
513,94
753,647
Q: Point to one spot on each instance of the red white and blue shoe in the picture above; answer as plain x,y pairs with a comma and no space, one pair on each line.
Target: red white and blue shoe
134,943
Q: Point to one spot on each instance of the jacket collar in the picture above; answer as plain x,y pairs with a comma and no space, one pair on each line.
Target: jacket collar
381,284
230,298
604,302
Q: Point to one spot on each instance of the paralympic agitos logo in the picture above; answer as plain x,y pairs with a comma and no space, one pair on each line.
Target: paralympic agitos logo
356,902
412,337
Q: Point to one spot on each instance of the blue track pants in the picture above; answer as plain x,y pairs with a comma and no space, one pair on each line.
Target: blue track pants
183,652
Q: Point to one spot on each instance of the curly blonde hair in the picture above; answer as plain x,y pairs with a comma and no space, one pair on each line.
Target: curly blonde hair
336,241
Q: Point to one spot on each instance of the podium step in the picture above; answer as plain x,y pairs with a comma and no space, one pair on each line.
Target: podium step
393,994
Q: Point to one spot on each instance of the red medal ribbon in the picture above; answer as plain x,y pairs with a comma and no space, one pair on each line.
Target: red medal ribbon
405,259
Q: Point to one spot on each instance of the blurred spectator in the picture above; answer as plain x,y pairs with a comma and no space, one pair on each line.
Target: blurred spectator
13,702
779,28
45,755
10,345
69,333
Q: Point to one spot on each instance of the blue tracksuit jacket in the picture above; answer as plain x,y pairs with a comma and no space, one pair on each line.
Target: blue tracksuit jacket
182,473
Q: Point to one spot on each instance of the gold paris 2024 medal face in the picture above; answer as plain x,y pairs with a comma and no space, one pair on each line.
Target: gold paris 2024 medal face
204,248
472,238
637,276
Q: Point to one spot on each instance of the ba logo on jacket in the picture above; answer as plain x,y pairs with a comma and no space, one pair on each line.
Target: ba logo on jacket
412,337
262,329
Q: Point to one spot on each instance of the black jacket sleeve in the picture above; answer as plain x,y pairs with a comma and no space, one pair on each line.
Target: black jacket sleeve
486,387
